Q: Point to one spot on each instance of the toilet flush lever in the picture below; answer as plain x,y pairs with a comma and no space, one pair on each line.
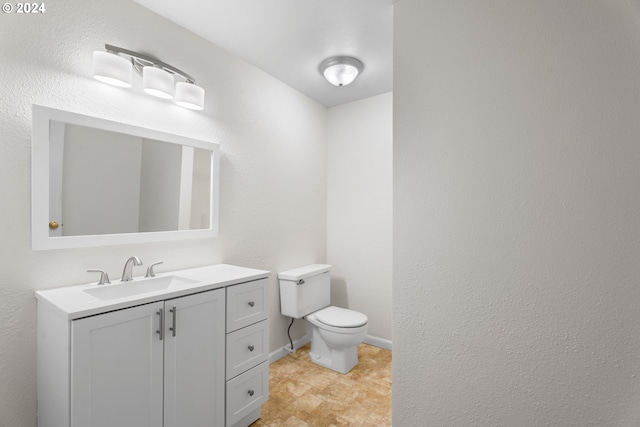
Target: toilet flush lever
301,282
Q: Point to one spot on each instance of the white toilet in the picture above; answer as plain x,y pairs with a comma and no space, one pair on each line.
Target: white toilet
335,332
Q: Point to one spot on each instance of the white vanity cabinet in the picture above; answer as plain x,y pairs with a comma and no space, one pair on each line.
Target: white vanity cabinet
157,361
129,367
247,352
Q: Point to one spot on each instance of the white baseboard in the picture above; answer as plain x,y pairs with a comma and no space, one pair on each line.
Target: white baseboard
378,342
286,349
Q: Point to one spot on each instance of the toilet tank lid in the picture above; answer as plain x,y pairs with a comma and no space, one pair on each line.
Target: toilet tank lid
304,272
341,317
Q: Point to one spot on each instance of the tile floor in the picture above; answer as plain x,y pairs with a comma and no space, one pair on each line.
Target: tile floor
303,394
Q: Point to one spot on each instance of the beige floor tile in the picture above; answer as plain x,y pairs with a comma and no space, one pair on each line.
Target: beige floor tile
304,394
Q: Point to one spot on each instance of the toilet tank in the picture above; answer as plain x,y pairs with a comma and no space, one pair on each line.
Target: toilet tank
304,290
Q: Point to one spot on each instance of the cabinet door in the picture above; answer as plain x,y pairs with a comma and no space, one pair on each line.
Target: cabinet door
194,360
116,369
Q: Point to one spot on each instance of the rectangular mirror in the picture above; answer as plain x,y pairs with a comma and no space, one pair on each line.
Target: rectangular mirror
97,182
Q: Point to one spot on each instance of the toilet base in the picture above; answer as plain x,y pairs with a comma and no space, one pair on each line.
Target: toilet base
339,360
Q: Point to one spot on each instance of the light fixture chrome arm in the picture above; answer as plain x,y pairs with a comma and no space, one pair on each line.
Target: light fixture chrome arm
115,65
140,60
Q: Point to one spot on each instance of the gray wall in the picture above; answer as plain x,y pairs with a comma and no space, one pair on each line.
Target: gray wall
359,206
516,213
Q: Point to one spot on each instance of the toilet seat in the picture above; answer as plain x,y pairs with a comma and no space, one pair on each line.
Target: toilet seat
341,317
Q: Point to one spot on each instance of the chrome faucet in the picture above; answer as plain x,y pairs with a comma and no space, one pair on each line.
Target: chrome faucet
127,273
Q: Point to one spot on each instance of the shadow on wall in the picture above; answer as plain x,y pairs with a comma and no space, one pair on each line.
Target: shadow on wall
339,292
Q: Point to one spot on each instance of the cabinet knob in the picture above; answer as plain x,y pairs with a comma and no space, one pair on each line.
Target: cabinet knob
250,392
53,225
251,303
251,348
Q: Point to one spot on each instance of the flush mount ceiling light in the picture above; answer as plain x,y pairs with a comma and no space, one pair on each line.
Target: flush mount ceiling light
340,70
115,66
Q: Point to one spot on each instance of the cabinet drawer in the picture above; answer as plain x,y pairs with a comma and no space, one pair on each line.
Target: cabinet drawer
247,392
246,348
246,304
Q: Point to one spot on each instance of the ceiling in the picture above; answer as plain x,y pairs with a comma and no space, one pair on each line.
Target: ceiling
289,38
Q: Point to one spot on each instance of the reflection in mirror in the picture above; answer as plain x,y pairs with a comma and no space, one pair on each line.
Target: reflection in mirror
159,186
104,182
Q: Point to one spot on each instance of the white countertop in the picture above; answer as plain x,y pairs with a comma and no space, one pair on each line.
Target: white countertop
73,302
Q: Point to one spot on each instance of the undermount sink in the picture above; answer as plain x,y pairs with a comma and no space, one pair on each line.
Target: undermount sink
137,287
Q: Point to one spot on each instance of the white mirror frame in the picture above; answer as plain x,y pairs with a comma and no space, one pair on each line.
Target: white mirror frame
40,240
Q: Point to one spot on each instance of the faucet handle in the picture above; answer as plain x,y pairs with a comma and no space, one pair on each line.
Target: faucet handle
104,277
150,272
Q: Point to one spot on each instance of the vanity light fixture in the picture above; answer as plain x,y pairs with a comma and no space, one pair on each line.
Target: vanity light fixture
188,95
340,70
157,82
115,66
112,69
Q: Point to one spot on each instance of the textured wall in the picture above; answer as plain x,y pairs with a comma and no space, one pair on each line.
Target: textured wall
516,213
359,209
273,179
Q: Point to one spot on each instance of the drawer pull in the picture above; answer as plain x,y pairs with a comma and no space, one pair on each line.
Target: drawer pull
251,348
174,312
160,331
251,303
250,392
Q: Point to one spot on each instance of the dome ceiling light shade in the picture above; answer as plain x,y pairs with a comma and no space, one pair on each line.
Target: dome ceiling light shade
111,66
340,70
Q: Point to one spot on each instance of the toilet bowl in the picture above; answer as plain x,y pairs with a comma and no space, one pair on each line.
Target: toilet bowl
335,332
